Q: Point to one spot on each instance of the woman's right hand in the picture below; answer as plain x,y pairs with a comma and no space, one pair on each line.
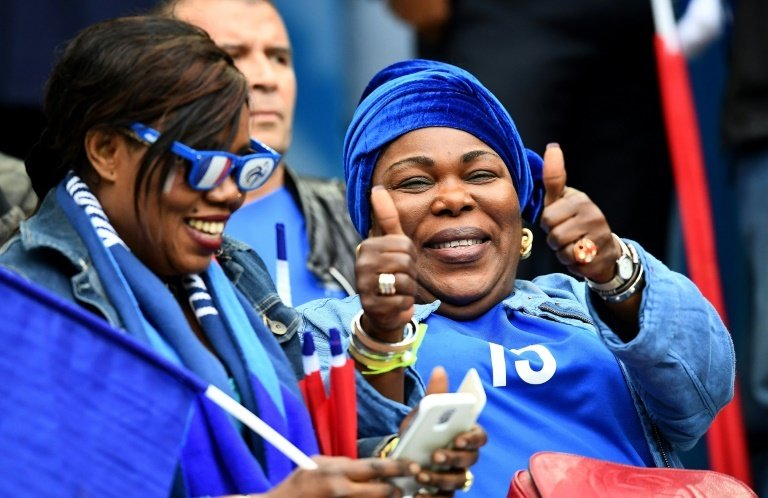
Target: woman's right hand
341,476
386,250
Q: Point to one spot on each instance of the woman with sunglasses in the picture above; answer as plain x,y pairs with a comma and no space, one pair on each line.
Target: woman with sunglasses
145,157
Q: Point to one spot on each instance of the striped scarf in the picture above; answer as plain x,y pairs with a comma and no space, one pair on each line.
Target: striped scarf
215,459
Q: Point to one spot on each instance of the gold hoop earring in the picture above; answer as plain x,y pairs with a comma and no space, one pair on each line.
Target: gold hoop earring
526,244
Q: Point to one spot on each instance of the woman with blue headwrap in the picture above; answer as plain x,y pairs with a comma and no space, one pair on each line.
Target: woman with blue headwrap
627,362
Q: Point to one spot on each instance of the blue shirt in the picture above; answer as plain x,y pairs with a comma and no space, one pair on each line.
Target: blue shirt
548,388
254,224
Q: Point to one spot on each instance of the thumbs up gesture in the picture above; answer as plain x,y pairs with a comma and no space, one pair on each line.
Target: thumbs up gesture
569,217
386,272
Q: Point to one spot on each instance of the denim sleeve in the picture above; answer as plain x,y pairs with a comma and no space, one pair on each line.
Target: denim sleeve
377,415
682,361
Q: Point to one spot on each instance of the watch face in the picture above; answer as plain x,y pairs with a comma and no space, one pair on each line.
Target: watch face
626,267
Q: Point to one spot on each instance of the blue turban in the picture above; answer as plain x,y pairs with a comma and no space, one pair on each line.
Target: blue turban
415,94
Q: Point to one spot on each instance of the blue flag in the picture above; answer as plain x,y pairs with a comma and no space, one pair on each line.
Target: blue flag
85,410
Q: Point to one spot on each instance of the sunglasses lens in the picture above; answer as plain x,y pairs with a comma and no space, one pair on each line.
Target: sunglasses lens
210,172
255,172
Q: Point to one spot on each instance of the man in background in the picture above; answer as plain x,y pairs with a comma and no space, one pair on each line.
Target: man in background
319,236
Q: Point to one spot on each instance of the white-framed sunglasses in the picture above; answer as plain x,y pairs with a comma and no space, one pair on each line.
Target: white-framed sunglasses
208,168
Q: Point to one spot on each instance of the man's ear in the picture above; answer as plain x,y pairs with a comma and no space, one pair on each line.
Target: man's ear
103,148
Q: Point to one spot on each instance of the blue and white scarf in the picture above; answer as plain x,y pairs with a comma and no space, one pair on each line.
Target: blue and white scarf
215,459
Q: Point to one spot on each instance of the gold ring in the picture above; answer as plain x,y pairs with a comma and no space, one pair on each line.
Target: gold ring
387,284
584,251
469,478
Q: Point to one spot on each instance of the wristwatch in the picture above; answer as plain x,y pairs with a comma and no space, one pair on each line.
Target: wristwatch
625,268
626,282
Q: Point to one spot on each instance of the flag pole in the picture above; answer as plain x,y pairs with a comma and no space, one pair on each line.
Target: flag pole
343,399
282,271
259,427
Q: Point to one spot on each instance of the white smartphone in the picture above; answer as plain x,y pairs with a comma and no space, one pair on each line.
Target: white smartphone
441,417
473,385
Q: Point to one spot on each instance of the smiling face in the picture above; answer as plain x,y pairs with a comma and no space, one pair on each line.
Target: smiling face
458,204
179,228
254,34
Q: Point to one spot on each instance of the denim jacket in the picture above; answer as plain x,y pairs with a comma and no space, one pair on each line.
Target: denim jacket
680,367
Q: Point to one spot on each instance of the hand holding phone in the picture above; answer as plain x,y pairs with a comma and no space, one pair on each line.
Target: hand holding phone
439,419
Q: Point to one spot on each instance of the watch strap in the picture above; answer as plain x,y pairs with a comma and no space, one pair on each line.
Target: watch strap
617,281
627,288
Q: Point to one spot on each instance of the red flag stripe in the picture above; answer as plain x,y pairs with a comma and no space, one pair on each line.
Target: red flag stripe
726,437
343,410
313,390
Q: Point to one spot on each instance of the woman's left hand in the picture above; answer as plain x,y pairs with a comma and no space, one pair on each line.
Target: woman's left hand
569,216
450,470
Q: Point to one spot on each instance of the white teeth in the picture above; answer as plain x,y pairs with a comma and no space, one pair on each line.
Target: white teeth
458,243
209,227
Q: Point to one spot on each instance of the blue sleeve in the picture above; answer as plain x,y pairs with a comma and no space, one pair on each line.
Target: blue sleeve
682,361
377,415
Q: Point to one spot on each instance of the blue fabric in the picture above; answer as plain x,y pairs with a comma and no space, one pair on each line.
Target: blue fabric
135,291
235,331
415,94
217,461
549,387
229,328
86,410
254,224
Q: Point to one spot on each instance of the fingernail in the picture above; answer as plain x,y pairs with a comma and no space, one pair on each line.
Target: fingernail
377,187
423,477
414,468
461,443
440,458
550,144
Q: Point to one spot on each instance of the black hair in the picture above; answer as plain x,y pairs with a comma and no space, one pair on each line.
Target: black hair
159,71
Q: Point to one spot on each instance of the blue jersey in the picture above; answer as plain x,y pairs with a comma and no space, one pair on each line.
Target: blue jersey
550,386
254,224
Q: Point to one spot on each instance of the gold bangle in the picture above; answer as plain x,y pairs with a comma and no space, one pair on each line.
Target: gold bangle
382,347
354,342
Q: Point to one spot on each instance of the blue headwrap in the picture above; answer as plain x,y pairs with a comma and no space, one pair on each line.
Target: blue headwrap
415,94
